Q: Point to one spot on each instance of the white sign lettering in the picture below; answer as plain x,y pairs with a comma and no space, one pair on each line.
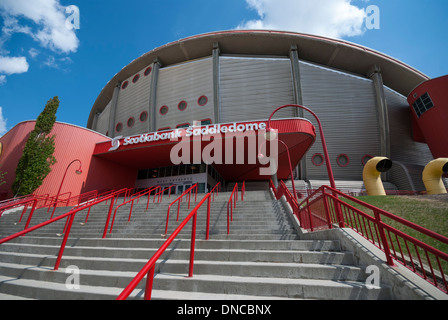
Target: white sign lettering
188,132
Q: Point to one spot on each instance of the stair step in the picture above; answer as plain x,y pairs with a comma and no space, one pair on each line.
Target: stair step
261,258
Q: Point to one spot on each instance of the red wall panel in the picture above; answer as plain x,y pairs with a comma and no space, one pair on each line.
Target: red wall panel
71,143
433,122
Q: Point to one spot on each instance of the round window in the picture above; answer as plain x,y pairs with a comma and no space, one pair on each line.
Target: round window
163,110
343,160
143,116
119,127
202,101
317,159
148,71
137,76
365,159
124,85
131,122
182,105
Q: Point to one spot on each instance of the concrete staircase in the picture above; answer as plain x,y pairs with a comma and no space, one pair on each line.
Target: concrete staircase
262,258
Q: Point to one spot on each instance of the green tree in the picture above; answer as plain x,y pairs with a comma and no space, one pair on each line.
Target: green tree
37,157
2,177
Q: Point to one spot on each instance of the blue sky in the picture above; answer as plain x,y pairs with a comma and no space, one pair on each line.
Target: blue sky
42,57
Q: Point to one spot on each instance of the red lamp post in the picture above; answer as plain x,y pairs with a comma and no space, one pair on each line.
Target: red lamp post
271,132
78,171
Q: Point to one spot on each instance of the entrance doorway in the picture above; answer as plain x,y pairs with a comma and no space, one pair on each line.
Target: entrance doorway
183,176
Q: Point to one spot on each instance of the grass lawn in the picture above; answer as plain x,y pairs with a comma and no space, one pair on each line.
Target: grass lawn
430,212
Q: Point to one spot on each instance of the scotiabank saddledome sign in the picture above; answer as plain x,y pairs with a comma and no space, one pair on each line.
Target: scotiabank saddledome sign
193,131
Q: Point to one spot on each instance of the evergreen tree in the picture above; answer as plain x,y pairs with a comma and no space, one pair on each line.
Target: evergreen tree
37,157
2,177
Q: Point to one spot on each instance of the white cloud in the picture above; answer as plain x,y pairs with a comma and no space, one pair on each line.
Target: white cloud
50,18
3,128
13,65
2,80
33,52
330,18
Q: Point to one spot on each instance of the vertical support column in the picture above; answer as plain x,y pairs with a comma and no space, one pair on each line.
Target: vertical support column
113,110
381,106
297,85
152,112
216,95
301,169
95,121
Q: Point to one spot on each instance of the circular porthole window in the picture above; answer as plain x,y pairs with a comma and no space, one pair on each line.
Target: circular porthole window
343,160
317,159
137,76
131,122
148,71
365,159
143,116
119,127
202,101
182,106
163,110
124,85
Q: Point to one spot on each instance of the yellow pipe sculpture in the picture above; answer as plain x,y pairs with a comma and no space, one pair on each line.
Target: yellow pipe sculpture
432,176
372,175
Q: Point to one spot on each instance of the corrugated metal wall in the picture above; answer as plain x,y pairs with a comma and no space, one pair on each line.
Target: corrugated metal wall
346,107
185,82
102,125
251,88
132,101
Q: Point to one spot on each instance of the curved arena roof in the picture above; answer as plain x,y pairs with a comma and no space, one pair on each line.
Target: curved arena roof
328,52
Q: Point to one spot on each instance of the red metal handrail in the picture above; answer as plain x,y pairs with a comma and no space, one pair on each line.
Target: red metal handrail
319,211
19,204
215,189
7,201
162,192
139,195
231,204
106,194
70,215
149,268
179,200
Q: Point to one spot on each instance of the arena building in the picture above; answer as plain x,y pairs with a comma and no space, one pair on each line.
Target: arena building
226,82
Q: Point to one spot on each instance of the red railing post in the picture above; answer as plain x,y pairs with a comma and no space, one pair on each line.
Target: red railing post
228,222
31,214
327,211
208,221
148,269
310,218
64,241
193,242
130,211
386,247
108,216
149,282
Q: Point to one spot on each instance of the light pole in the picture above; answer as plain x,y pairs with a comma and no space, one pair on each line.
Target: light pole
271,135
270,131
79,171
